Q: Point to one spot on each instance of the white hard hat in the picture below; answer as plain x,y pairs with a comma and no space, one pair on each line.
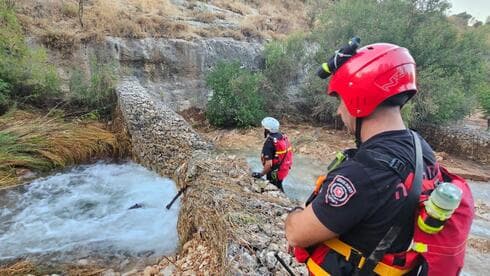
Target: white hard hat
270,124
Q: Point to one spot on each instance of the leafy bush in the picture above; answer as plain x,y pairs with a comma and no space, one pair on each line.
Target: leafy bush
282,67
29,77
4,96
236,100
450,64
95,93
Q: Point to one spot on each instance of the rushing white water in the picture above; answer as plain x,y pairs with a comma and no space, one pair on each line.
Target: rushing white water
85,212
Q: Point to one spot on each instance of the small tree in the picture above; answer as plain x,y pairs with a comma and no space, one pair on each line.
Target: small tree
236,100
484,98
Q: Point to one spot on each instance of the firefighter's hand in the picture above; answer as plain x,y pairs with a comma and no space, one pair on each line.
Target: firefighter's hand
256,175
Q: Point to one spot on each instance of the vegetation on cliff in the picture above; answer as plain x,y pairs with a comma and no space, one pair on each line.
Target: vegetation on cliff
32,141
452,57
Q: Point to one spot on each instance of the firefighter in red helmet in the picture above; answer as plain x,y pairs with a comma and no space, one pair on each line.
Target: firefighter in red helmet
344,226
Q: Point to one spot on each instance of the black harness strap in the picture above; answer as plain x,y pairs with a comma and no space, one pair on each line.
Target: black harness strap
382,161
406,211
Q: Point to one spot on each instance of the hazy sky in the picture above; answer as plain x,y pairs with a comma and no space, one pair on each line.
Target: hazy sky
480,9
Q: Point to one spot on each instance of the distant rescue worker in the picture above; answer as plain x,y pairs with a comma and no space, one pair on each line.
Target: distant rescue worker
277,154
386,207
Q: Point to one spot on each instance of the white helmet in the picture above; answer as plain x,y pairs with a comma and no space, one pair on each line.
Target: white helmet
270,124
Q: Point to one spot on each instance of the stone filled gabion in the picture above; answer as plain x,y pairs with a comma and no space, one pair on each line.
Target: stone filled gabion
468,143
162,140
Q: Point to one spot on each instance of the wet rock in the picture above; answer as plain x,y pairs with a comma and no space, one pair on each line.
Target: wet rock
151,271
130,273
301,270
110,272
248,261
25,174
136,206
189,273
264,271
285,257
260,242
271,260
83,262
168,271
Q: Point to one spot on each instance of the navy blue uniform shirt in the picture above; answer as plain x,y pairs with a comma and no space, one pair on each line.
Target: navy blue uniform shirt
268,150
359,202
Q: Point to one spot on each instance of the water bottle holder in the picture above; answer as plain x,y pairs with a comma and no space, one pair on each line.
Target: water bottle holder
428,224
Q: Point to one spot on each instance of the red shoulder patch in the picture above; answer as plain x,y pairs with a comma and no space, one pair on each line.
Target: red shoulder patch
339,191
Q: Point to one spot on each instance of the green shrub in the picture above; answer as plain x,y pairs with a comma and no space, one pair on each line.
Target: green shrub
30,78
4,96
95,93
236,100
283,61
450,62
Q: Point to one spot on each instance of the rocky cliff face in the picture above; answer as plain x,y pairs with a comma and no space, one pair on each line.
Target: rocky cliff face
173,70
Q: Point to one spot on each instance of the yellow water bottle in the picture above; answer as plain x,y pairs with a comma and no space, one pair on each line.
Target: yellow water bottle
442,203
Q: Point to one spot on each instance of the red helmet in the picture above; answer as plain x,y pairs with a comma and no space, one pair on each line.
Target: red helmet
376,73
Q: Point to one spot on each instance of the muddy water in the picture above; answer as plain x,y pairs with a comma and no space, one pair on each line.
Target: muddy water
300,182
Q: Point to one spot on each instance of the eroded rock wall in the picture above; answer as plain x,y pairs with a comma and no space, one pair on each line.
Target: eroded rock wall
174,70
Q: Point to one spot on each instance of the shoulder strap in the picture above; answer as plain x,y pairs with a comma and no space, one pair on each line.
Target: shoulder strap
379,160
406,211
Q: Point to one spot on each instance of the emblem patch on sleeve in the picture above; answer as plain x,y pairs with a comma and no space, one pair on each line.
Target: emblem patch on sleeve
339,191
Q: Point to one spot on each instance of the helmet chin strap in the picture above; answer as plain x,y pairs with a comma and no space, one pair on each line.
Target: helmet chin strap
358,132
266,133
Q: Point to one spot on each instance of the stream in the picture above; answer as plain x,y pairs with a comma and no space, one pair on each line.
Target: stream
83,215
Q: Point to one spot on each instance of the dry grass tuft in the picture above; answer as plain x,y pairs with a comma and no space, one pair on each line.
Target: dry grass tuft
28,141
156,18
59,40
27,268
216,32
258,26
205,17
18,268
234,6
69,9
